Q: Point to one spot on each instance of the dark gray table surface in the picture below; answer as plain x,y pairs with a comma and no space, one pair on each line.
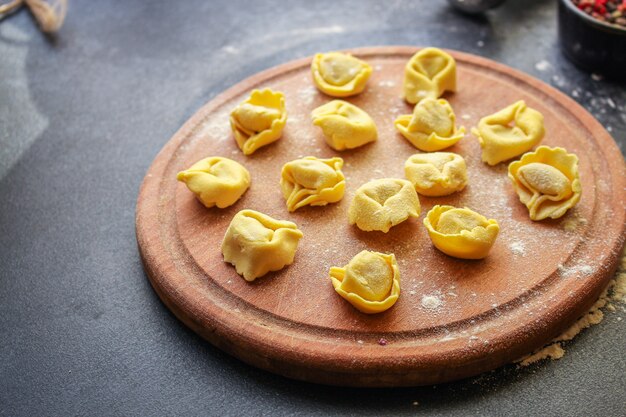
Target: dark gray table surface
83,114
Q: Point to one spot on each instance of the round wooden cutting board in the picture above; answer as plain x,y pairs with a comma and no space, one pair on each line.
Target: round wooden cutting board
454,318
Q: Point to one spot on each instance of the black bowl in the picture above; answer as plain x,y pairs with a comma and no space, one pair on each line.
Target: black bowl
591,44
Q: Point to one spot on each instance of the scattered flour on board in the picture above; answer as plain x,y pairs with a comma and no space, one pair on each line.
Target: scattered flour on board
387,83
307,94
615,292
396,110
576,270
518,248
573,222
217,127
431,302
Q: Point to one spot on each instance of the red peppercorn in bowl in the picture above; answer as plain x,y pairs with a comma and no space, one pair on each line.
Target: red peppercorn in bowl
593,35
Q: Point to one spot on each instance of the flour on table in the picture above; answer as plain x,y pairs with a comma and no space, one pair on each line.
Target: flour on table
230,49
553,351
542,65
610,102
560,82
614,292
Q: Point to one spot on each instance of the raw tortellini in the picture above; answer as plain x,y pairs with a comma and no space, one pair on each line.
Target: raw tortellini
370,281
340,75
509,132
256,244
461,232
259,120
216,181
428,74
436,174
383,203
312,181
547,182
345,126
431,127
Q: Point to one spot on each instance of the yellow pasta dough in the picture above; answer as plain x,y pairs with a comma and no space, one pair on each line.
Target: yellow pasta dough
383,203
259,120
509,132
312,181
216,181
340,75
370,281
436,174
256,244
547,182
428,74
431,127
345,126
461,232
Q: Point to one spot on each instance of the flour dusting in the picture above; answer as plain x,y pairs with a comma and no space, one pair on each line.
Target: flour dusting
230,49
614,292
576,270
387,83
518,248
542,65
431,302
573,222
307,94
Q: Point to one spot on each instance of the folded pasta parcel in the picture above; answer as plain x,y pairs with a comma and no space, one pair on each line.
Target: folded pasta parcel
259,120
345,126
436,174
256,244
509,132
428,74
312,181
547,182
370,281
461,232
383,203
431,127
216,181
340,75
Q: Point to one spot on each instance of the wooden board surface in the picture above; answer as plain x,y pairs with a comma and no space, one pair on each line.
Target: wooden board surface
454,318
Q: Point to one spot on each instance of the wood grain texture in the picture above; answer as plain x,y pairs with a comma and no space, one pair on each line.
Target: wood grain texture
538,278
